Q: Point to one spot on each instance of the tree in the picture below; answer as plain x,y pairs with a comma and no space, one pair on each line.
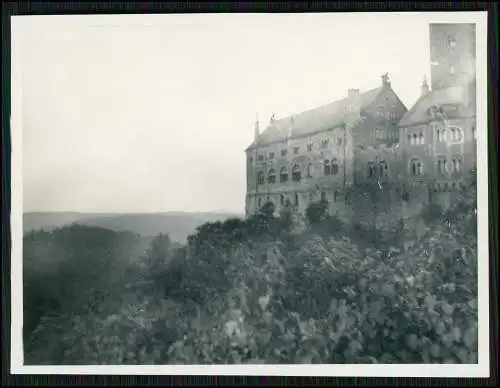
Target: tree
317,212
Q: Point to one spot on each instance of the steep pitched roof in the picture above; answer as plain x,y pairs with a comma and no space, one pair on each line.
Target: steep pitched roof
456,94
313,120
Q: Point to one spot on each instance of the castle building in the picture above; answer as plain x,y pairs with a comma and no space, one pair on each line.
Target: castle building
367,155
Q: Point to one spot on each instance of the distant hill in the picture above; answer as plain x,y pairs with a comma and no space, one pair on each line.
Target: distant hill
177,224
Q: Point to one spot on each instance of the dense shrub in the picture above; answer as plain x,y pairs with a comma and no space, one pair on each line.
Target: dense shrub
259,291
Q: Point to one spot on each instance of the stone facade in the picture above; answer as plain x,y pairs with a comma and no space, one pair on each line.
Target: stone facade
372,159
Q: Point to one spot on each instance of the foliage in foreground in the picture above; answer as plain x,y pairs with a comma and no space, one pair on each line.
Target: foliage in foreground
253,292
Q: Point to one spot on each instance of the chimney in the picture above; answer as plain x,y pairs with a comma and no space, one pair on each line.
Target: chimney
256,127
424,89
352,94
353,101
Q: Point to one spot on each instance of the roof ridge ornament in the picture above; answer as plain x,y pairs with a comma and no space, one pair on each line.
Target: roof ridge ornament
385,79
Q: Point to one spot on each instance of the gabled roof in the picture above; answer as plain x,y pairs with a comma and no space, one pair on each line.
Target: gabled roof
462,94
314,120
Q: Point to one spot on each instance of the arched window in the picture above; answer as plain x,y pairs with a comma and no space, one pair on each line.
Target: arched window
260,178
334,167
415,139
309,170
271,176
416,167
326,167
383,168
456,134
372,170
421,139
456,165
442,167
296,173
296,198
283,175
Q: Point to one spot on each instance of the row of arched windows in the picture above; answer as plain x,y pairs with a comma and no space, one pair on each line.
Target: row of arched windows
374,170
330,167
452,134
416,139
444,166
416,167
284,199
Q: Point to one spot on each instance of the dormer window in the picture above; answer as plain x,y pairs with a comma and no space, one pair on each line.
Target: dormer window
432,111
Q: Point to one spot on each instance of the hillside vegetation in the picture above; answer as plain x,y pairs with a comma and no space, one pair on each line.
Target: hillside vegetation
260,290
178,225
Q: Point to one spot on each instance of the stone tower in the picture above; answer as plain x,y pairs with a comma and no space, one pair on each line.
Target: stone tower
452,54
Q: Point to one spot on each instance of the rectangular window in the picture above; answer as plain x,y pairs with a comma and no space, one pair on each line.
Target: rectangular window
296,150
324,143
261,158
309,147
283,152
271,155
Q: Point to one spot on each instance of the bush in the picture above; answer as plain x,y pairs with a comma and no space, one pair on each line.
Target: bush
252,291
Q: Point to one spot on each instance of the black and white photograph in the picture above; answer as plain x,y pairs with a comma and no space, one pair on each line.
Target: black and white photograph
267,194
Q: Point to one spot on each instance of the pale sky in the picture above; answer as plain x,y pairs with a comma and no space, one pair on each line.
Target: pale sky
153,113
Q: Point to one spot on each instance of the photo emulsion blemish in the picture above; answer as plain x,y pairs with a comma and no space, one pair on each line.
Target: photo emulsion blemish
250,189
